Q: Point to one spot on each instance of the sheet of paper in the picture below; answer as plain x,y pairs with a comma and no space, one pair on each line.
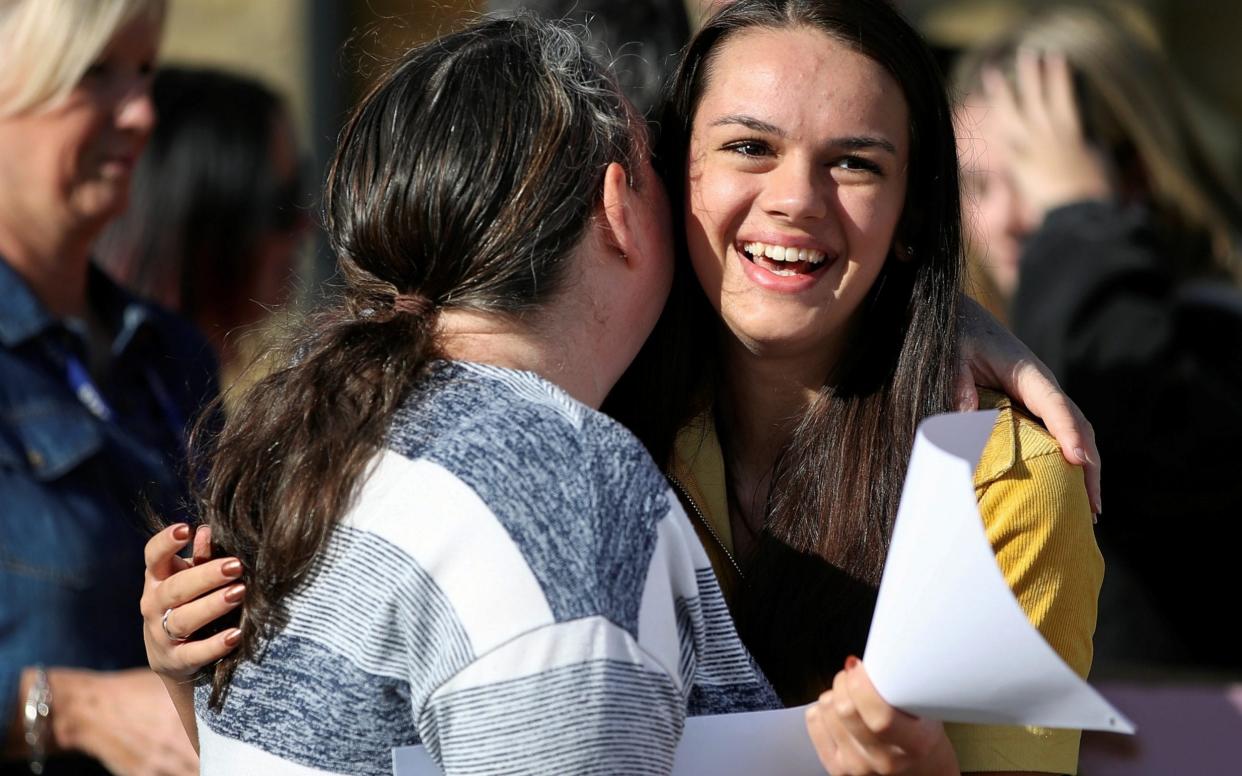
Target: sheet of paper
948,639
724,745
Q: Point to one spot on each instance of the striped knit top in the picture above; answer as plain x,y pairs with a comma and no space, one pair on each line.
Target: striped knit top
515,587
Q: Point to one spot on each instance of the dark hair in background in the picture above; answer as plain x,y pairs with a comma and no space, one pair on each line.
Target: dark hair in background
464,180
204,194
640,38
810,587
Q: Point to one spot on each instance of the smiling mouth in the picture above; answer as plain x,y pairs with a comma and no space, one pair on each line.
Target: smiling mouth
780,260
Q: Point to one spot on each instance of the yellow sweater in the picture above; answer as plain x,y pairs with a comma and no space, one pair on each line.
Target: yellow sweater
1036,516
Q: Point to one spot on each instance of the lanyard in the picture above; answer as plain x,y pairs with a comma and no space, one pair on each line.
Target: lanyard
84,388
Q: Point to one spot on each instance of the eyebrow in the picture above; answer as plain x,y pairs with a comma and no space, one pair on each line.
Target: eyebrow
750,123
852,143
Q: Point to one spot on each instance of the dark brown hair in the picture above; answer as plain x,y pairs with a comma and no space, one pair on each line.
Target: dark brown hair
811,582
205,193
464,180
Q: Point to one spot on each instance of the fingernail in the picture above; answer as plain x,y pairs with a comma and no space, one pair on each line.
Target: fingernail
234,593
1080,455
232,637
181,532
850,662
1095,518
232,569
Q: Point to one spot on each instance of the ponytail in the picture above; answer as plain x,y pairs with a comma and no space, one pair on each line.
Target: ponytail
288,462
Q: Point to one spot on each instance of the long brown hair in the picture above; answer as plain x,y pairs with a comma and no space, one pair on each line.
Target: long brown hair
464,180
810,585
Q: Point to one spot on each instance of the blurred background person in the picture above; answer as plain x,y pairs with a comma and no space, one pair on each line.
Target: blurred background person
217,210
95,391
639,38
1111,236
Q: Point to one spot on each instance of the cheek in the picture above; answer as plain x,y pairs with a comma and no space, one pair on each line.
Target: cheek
79,139
870,220
717,202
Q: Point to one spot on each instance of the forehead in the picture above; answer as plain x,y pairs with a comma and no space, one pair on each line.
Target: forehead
803,80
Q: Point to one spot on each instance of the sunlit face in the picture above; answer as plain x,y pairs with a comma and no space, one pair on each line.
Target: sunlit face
796,182
71,164
995,223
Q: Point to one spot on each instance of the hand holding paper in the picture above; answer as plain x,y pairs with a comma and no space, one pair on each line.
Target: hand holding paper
855,731
948,640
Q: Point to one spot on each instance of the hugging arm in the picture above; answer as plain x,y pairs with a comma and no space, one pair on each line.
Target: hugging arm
993,357
179,597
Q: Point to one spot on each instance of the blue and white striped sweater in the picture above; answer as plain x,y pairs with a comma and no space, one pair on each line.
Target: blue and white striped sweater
516,587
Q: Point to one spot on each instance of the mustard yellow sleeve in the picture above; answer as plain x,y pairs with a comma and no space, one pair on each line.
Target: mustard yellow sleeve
1037,518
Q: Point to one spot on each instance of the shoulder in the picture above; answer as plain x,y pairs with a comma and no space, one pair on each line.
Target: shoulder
1025,486
1016,439
491,426
172,347
1038,521
574,493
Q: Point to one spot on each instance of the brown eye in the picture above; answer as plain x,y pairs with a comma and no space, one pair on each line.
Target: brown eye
858,164
752,149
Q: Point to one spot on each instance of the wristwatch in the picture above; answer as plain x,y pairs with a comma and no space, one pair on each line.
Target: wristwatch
36,716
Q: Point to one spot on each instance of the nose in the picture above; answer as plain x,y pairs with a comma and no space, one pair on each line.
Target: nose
793,192
136,110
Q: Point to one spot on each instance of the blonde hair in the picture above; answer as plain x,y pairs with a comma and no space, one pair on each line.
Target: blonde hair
1132,108
46,46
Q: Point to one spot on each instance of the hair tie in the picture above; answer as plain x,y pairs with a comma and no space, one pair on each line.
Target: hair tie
412,304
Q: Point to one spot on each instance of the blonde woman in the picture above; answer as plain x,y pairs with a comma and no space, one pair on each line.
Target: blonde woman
1113,235
95,387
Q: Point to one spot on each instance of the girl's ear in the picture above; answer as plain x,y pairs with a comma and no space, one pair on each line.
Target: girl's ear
618,216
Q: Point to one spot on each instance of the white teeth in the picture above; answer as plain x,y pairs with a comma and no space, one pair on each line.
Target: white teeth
781,253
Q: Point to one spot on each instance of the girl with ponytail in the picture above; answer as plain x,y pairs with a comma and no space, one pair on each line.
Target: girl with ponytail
433,523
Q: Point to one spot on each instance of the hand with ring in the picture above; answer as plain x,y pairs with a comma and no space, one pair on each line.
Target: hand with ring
167,632
181,596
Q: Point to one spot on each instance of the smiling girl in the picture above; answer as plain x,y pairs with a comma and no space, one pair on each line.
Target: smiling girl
814,322
809,153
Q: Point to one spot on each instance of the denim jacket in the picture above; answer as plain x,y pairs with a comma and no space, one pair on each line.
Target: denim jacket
72,484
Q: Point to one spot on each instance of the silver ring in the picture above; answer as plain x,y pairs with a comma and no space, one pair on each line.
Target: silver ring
167,632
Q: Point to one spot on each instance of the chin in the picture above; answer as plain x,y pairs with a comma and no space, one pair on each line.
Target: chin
776,338
104,203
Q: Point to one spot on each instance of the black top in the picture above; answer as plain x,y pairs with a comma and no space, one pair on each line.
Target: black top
1156,363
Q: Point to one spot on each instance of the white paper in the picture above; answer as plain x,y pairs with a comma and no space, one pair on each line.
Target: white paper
948,639
723,745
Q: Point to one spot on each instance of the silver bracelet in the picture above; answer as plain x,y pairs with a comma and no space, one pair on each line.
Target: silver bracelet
37,712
